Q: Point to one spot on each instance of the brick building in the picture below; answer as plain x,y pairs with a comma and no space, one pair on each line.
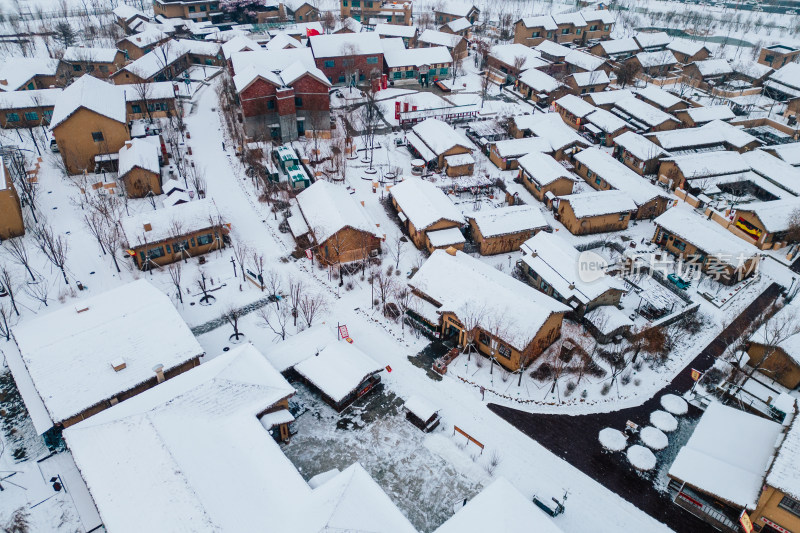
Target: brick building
348,58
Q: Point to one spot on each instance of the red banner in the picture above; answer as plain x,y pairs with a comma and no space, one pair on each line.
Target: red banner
343,331
397,110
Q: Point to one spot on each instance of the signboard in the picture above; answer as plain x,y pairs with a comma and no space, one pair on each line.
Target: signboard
747,525
397,110
775,526
343,332
696,374
309,254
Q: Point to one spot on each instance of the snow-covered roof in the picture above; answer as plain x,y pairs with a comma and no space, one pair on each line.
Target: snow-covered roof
338,369
619,176
686,46
606,121
774,169
93,94
458,160
442,238
783,474
459,24
439,38
138,153
188,218
508,220
583,60
599,203
575,105
348,23
420,407
640,110
658,96
24,99
16,71
272,60
395,30
522,146
124,11
787,152
552,49
586,79
94,55
777,215
509,53
704,164
282,41
573,18
639,146
485,512
543,169
733,472
416,57
652,39
751,69
329,208
715,132
540,21
462,284
68,353
240,43
788,75
424,204
713,67
594,15
150,64
608,319
619,46
706,235
440,136
609,97
149,35
556,261
550,126
460,9
539,81
660,58
341,44
158,90
702,115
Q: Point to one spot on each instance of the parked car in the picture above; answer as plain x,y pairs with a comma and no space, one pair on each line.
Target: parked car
53,146
679,281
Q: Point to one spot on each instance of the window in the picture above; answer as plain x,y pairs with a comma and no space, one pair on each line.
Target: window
31,86
565,31
484,339
299,17
369,4
298,102
202,8
593,27
178,247
97,136
538,187
544,286
598,182
344,3
341,79
330,63
372,61
791,505
680,245
48,113
76,68
348,62
535,34
397,75
90,68
31,115
191,9
155,253
103,68
549,35
606,27
202,240
578,31
409,74
443,72
12,117
355,3
136,108
271,104
504,350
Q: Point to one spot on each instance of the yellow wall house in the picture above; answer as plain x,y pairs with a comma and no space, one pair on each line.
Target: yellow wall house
778,351
766,224
510,321
425,209
89,120
139,168
174,233
11,221
439,144
544,177
595,212
503,230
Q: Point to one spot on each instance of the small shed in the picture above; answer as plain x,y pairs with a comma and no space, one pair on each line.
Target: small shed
422,414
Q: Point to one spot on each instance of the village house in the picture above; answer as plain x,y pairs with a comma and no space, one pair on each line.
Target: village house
89,121
531,31
450,11
577,61
250,406
136,45
507,61
707,73
788,153
588,82
767,224
655,66
595,212
541,88
687,51
27,109
12,224
774,348
603,172
282,99
127,15
348,58
707,244
331,221
102,356
152,100
652,41
784,85
638,153
348,25
98,62
564,141
693,117
391,31
544,177
139,168
506,153
663,100
775,171
573,110
504,229
299,10
460,26
456,44
164,63
550,265
555,53
616,49
643,117
164,236
442,147
599,24
778,55
455,292
29,73
426,212
195,10
607,99
570,27
421,65
694,171
580,27
375,12
604,127
714,136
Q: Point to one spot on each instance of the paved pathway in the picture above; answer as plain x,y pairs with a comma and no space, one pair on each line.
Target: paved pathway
574,438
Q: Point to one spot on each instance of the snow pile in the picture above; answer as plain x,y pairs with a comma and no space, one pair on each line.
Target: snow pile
613,439
674,404
641,458
654,438
663,421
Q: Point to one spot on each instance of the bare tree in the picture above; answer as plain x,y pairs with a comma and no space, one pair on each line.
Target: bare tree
18,522
471,318
627,73
257,262
28,190
404,299
175,274
96,225
18,251
9,281
276,319
143,90
312,305
396,248
111,239
498,327
273,282
197,179
241,252
328,21
5,321
486,82
53,246
232,315
297,289
385,285
39,291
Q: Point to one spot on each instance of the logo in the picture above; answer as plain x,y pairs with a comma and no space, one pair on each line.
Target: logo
591,266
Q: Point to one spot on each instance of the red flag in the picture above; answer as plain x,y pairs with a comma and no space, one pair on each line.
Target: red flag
311,32
388,368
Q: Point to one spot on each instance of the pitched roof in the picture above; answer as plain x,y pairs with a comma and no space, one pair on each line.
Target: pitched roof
93,94
416,56
337,369
97,55
639,146
543,169
15,71
550,126
329,208
599,203
783,474
619,176
686,46
138,153
424,204
539,81
339,44
777,215
509,53
440,38
508,220
163,223
440,136
23,99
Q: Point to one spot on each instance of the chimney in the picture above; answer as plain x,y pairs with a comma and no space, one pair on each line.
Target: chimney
451,250
572,286
159,370
128,144
534,253
3,82
118,364
148,227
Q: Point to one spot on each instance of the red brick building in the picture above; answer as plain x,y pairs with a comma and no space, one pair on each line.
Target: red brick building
348,58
